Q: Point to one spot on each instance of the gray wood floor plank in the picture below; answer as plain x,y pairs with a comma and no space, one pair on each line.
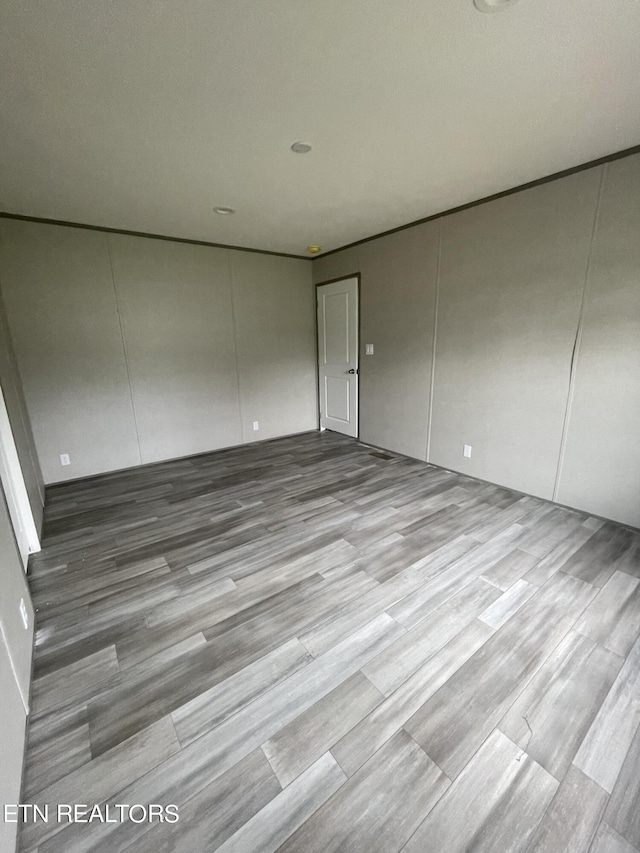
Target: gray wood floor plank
336,626
415,607
456,720
543,539
166,628
623,810
604,749
510,569
97,780
495,804
608,840
556,559
629,561
268,829
209,709
553,713
58,743
571,821
296,746
374,526
90,586
191,600
298,605
503,608
392,555
595,561
356,747
217,812
394,665
613,617
76,682
58,644
336,554
379,808
517,512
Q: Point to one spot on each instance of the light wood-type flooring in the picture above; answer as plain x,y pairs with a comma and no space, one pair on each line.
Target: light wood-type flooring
307,647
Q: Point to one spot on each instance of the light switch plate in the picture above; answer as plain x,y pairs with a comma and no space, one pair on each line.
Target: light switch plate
467,451
368,349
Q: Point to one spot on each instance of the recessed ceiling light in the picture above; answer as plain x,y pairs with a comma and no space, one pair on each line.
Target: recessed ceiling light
493,5
223,211
313,250
301,147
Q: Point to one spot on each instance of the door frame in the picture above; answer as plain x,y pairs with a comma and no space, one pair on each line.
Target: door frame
19,496
318,284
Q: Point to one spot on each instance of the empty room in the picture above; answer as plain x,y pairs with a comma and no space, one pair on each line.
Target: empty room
319,416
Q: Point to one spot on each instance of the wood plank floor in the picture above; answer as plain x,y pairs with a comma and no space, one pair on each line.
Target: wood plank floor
307,647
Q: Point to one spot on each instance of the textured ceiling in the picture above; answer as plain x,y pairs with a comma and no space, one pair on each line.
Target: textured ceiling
144,114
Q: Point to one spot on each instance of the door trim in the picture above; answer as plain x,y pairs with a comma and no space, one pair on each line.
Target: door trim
318,284
15,489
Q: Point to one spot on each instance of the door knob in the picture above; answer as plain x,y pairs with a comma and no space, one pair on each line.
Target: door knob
352,371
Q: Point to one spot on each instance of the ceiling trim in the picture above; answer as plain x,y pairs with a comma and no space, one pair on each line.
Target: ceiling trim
618,155
22,217
627,152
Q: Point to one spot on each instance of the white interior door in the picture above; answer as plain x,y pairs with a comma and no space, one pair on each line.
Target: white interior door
15,490
338,355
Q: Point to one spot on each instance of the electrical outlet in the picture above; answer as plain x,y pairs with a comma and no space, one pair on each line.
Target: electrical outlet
24,614
65,459
467,451
256,425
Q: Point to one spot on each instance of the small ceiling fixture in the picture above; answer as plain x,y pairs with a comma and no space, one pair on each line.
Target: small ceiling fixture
223,211
492,5
301,148
313,250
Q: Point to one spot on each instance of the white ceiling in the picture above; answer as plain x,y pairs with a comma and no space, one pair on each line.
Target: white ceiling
145,114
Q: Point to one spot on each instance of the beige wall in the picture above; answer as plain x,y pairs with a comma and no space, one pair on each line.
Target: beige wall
510,286
397,313
58,293
601,468
275,339
175,306
511,281
134,350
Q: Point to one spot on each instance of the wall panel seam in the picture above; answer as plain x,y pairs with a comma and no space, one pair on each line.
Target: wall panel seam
124,349
234,329
433,347
578,339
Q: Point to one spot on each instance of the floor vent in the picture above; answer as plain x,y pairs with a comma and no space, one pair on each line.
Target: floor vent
379,455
